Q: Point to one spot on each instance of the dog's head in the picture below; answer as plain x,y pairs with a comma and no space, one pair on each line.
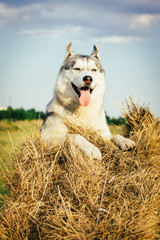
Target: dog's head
84,74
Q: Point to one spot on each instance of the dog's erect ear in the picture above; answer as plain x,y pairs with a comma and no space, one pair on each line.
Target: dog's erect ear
69,51
95,52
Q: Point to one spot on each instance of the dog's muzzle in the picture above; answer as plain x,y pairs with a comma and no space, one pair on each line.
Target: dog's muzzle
83,93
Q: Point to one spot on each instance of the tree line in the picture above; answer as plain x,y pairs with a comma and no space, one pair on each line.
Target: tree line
115,121
21,114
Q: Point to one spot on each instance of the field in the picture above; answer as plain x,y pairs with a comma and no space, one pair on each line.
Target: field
59,193
12,134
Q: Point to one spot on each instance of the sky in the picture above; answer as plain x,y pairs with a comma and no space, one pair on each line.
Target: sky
33,39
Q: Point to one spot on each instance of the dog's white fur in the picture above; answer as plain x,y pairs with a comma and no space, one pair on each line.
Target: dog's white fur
66,107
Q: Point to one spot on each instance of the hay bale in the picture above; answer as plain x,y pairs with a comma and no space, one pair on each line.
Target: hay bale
58,193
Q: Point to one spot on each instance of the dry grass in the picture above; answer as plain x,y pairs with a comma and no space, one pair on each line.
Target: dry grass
58,193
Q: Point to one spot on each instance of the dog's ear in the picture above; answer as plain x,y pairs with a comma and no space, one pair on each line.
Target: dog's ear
95,52
69,51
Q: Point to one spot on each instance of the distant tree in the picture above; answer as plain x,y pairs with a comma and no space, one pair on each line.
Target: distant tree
9,112
31,114
21,114
3,114
115,121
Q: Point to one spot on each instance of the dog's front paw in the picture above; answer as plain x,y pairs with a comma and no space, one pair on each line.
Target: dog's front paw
123,143
85,146
92,151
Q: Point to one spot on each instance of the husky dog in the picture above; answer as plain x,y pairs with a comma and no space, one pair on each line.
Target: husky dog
78,99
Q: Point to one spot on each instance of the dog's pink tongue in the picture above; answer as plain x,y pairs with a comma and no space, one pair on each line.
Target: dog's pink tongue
85,97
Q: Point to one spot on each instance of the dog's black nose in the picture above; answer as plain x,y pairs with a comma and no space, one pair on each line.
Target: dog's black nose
87,79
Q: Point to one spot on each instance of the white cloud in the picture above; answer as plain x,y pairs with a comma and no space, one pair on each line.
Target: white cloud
8,14
142,2
118,39
42,32
73,31
40,12
145,20
19,15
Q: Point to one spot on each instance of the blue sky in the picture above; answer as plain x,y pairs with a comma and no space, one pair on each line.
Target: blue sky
34,35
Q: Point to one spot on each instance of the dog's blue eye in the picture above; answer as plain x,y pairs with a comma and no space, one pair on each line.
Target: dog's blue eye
94,70
76,69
